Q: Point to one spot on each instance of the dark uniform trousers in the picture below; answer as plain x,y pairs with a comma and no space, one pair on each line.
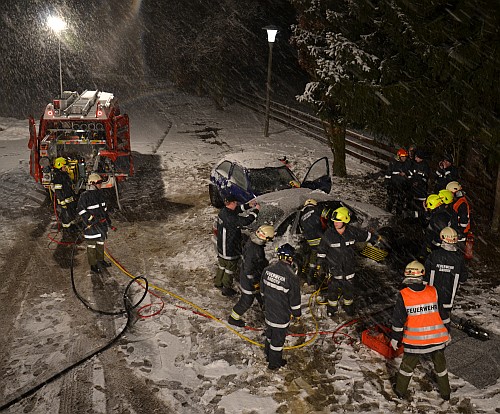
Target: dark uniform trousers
225,272
409,363
273,347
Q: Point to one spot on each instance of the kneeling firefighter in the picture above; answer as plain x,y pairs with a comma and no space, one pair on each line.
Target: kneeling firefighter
94,213
336,256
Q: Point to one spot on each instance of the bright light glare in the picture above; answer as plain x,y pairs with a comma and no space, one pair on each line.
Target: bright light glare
271,33
56,24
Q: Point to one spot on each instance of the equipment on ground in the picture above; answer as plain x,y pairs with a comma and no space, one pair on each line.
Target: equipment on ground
469,246
470,328
377,338
89,131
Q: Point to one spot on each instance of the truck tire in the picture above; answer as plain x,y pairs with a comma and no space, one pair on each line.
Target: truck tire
215,197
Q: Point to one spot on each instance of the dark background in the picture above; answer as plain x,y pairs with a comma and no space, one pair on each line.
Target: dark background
199,45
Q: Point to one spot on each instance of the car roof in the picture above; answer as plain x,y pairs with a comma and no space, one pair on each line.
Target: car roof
254,159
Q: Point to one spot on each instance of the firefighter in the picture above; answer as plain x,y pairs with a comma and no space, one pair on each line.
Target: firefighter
416,323
445,269
229,224
66,197
94,213
336,256
419,175
439,217
253,263
461,210
397,183
280,291
312,230
446,172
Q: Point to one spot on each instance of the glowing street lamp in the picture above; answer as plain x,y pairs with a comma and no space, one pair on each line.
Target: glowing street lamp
58,25
271,36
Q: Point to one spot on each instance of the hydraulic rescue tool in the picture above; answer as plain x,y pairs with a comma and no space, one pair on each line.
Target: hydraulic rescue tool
470,329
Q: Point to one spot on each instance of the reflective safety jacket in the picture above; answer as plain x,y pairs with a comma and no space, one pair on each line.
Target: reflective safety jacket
445,176
420,323
310,222
462,216
280,290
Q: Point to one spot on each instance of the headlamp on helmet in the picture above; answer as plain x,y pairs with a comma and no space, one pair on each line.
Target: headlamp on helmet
341,214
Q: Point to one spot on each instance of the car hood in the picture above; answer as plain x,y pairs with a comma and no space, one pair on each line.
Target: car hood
369,216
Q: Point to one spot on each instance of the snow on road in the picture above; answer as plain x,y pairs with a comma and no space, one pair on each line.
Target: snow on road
181,360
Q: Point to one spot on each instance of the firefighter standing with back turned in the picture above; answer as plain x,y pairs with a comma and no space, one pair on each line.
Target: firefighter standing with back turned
280,291
94,213
66,197
336,256
417,323
312,230
445,269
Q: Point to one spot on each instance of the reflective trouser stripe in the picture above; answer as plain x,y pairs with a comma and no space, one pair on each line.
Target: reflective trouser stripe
234,315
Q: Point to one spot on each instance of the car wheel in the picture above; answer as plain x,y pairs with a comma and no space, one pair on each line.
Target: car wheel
215,198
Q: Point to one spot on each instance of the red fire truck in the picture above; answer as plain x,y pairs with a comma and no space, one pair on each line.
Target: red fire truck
89,131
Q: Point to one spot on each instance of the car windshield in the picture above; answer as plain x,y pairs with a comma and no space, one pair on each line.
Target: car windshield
268,214
266,180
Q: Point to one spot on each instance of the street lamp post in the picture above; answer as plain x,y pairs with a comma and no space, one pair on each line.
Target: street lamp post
58,25
271,36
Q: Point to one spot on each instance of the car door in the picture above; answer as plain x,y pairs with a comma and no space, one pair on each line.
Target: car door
238,185
318,176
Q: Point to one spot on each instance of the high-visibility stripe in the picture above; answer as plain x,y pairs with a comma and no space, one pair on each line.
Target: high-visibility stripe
426,350
276,348
295,307
275,286
278,325
442,374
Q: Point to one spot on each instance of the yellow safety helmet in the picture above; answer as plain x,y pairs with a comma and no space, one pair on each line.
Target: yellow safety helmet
446,196
265,232
453,186
59,162
414,269
341,214
448,235
433,201
310,202
94,178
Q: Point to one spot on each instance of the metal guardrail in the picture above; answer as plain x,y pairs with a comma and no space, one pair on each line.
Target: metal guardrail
358,145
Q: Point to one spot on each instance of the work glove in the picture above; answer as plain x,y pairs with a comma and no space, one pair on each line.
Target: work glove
394,344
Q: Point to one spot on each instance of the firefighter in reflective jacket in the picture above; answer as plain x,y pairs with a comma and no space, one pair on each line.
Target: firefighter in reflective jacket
417,323
461,210
66,197
445,269
336,256
253,263
280,291
94,213
312,230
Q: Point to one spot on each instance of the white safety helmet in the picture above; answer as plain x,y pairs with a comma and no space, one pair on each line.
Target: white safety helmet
448,235
414,272
94,178
265,232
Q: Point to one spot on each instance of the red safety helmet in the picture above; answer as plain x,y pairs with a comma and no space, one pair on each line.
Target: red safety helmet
401,153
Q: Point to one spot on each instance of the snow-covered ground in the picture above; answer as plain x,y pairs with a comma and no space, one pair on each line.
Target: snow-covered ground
187,359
